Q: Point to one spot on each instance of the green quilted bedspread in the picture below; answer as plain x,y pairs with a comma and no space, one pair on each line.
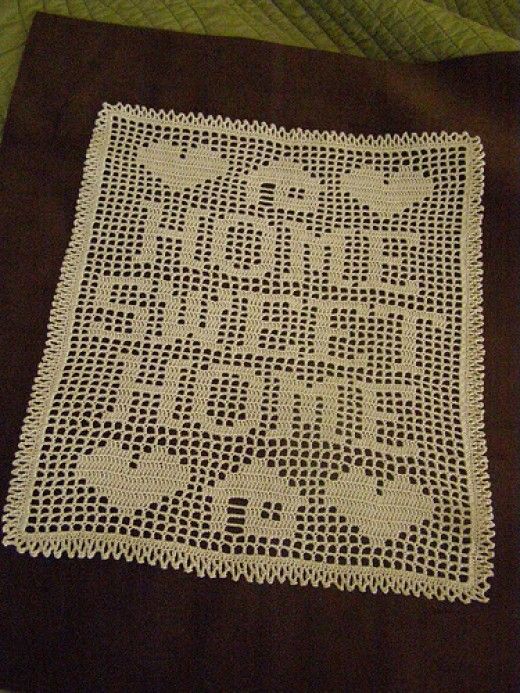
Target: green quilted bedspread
407,30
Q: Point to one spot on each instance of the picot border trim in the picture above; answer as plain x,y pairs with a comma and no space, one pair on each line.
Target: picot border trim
206,562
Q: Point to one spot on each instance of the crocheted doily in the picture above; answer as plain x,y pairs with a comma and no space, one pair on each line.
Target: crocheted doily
265,360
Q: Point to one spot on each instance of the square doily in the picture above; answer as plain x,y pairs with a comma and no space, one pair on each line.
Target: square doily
265,360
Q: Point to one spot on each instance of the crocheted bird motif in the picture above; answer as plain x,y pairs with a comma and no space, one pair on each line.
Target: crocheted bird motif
387,193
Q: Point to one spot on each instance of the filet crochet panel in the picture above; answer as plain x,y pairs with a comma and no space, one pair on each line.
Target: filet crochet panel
265,360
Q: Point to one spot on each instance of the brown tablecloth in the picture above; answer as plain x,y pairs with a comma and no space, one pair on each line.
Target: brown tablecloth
85,625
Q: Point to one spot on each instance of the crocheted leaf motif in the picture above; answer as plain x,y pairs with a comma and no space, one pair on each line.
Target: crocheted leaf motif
407,30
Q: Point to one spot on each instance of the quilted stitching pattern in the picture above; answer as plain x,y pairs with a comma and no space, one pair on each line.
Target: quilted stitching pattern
406,30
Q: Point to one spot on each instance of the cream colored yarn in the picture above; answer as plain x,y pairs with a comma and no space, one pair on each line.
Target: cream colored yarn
265,360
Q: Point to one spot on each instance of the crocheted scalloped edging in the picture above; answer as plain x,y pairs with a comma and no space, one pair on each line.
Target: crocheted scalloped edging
256,127
58,330
483,527
204,562
209,564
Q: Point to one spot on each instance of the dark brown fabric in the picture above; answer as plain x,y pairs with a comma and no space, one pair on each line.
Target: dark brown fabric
84,625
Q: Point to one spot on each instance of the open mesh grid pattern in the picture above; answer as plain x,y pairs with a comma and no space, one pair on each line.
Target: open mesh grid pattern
265,360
